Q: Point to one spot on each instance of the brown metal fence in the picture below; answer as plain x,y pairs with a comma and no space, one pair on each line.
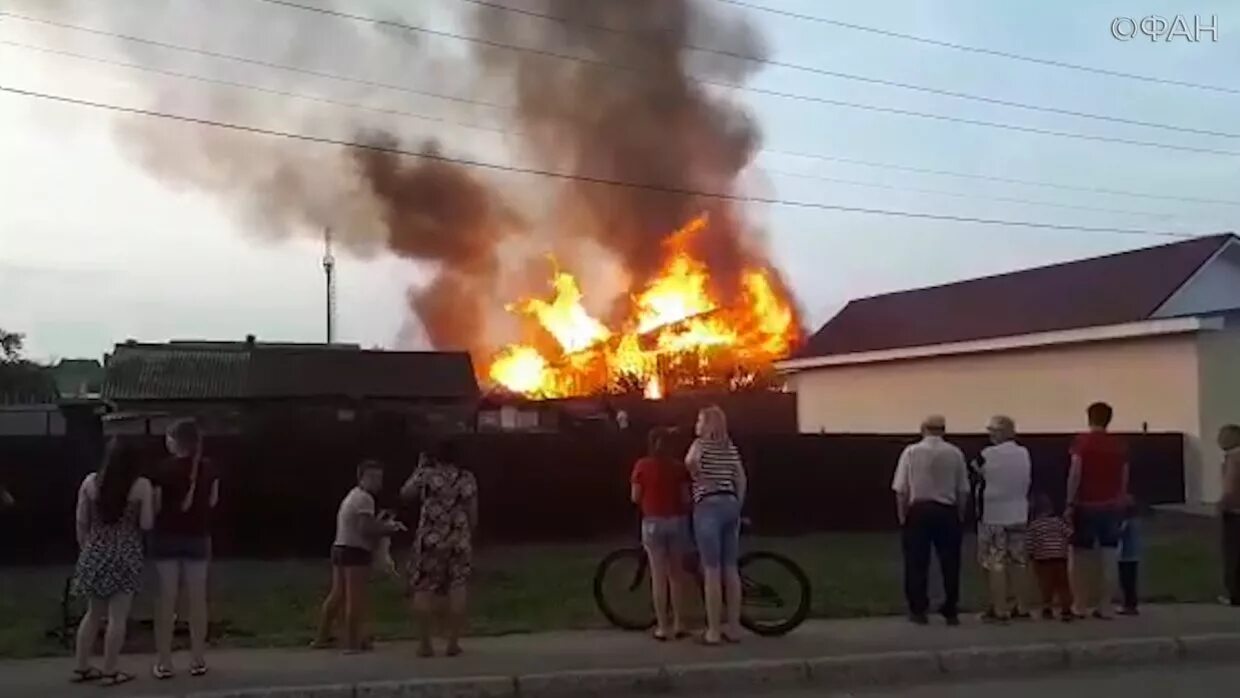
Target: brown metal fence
280,488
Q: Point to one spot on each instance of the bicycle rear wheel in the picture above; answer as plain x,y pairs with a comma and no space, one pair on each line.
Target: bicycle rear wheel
622,589
775,594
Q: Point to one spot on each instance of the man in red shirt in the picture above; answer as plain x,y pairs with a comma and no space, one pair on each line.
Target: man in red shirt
660,487
1097,491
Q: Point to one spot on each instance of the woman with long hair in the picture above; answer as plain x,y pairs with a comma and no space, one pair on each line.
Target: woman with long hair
187,490
719,488
114,506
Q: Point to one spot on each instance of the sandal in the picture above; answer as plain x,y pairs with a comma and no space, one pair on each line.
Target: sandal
87,675
116,678
198,669
161,672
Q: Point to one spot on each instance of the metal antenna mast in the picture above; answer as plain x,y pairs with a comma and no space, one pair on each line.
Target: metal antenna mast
329,271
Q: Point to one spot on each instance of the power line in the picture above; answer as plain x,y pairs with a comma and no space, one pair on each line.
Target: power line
965,195
1005,180
984,51
247,86
506,132
812,156
758,90
251,61
678,191
867,79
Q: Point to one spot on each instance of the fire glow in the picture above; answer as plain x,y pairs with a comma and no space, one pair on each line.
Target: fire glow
677,336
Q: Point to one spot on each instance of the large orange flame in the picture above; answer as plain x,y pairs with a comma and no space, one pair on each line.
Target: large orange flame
678,335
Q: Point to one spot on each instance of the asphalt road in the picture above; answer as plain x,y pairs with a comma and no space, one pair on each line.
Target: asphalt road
1198,681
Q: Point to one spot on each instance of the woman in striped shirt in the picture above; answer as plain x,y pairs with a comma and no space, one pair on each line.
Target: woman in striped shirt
719,485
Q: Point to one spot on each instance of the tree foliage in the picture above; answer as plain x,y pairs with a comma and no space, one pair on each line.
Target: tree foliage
21,380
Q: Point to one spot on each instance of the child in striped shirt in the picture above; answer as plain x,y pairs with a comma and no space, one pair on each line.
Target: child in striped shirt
1047,539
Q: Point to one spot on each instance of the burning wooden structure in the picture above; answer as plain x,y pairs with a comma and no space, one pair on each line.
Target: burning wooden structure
681,332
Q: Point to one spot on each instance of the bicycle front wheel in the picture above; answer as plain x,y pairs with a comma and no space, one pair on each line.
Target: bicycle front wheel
622,589
775,594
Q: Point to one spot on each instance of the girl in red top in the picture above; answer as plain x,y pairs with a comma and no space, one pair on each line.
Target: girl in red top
660,487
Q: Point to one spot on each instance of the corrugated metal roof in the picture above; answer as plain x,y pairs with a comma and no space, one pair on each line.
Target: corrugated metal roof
1110,290
198,371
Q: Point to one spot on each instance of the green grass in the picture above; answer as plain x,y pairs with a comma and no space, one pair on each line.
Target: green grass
533,588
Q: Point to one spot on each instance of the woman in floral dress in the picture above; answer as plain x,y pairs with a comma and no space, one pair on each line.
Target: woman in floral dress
114,507
441,562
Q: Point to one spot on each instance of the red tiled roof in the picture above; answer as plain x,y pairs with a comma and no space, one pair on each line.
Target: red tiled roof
1115,289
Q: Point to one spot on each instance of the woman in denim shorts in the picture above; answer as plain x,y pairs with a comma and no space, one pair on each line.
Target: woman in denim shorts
660,487
187,490
719,485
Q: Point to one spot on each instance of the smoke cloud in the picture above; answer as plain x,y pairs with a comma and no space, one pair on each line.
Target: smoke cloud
626,110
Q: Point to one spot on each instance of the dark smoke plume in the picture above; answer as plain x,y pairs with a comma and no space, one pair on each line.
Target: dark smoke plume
644,121
629,111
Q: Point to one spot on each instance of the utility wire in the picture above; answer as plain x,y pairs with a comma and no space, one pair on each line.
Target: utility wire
678,191
984,51
519,134
251,61
757,90
788,153
996,178
964,195
863,78
247,86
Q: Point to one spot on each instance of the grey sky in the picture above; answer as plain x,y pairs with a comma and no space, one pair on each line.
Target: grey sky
93,249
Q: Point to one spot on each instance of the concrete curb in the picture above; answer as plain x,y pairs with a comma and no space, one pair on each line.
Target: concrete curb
838,672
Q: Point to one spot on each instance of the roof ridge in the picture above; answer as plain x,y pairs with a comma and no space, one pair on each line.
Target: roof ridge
1025,270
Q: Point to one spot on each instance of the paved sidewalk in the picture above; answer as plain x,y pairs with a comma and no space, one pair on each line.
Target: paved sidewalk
526,655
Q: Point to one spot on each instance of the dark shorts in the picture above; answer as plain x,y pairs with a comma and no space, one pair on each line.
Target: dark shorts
170,546
1096,527
348,556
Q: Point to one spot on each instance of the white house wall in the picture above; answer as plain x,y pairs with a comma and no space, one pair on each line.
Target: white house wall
1220,400
1151,382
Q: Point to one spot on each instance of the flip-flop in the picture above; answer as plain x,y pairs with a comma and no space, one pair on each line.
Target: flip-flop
453,651
198,669
161,672
116,678
87,675
659,637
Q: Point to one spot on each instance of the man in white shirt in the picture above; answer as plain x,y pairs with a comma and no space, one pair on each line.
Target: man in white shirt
1007,474
932,491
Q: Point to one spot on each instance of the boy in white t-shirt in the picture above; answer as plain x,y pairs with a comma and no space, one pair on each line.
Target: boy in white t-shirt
359,528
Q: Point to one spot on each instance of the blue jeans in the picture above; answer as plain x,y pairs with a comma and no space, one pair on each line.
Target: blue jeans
1096,527
717,528
666,534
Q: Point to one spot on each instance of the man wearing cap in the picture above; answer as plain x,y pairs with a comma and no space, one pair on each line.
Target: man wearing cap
932,492
1007,472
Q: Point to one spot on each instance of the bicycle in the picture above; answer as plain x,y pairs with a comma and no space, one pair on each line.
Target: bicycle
621,580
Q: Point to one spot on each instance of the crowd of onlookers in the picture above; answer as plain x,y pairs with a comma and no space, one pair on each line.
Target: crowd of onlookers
1077,547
